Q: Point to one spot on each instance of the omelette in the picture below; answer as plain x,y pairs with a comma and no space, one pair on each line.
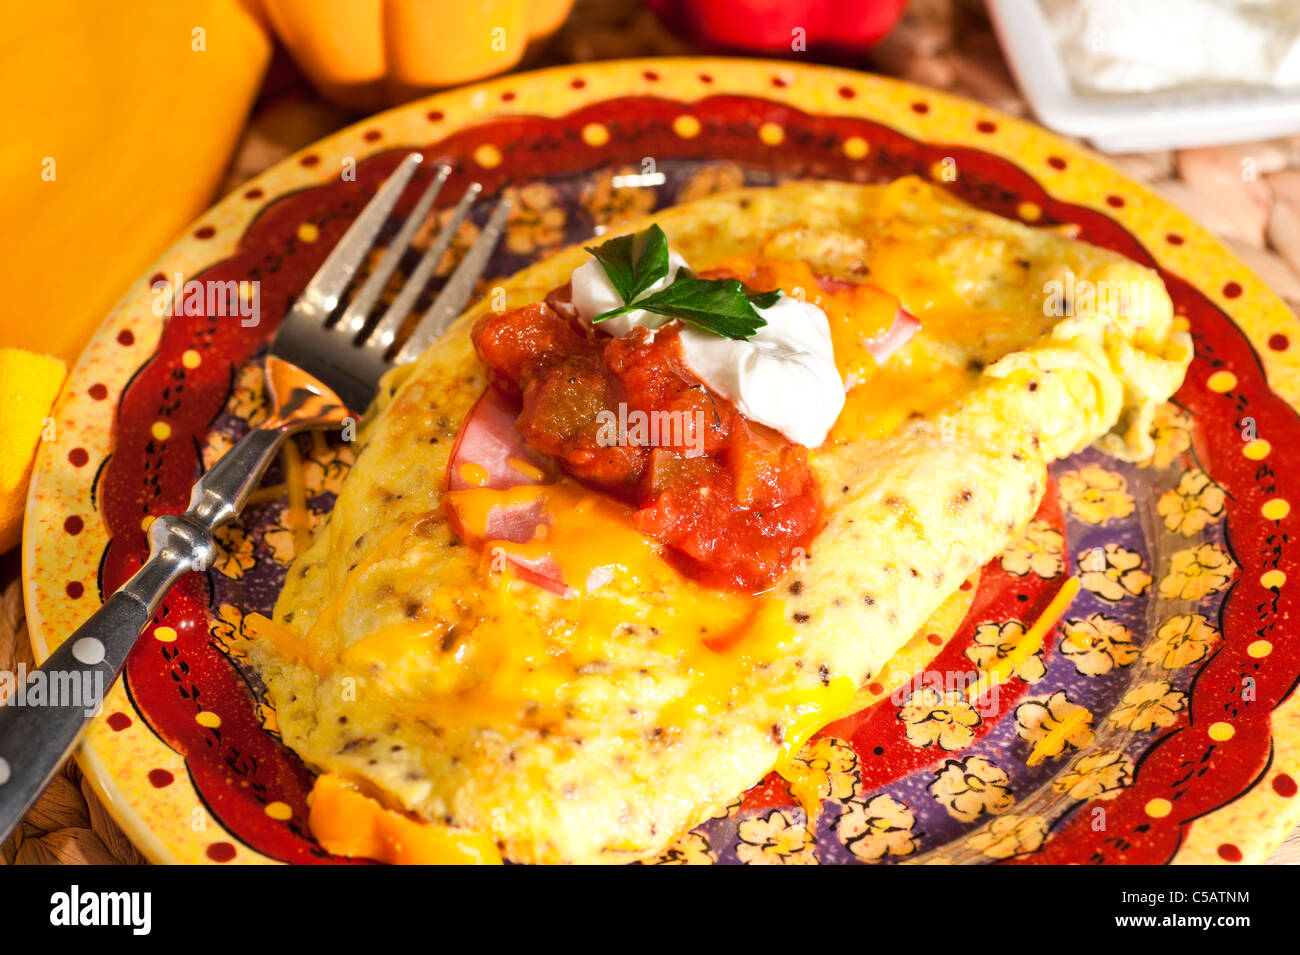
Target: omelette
450,697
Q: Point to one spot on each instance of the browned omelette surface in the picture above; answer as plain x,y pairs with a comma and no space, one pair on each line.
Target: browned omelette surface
599,727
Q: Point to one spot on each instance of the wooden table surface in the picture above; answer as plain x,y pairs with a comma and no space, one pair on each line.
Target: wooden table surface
1247,194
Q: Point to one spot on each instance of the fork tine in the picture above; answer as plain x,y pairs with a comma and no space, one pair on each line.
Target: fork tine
386,329
455,294
321,296
354,318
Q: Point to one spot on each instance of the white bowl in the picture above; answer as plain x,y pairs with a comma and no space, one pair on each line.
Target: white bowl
1137,122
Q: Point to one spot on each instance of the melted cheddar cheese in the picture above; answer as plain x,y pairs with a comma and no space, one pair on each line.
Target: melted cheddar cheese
347,822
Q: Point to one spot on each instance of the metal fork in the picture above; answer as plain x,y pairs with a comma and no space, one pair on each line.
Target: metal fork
318,373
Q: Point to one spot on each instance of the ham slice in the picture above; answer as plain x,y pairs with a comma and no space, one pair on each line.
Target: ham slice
899,332
489,441
490,453
894,337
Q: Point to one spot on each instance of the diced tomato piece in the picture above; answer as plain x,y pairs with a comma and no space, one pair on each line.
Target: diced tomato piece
514,343
562,417
765,467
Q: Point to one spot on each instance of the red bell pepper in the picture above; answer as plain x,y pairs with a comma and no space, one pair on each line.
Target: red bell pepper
775,26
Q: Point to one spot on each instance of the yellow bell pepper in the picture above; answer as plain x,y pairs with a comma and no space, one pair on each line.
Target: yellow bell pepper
119,123
367,54
28,386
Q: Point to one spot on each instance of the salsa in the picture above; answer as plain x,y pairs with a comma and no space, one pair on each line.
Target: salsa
731,500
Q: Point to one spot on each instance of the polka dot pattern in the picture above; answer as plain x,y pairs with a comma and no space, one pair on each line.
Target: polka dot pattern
687,126
1221,381
1257,450
1158,808
1029,211
1275,509
221,852
488,156
118,722
855,147
1229,853
1221,732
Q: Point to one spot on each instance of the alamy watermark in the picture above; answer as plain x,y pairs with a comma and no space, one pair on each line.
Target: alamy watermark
213,298
76,907
1084,298
978,689
651,429
62,689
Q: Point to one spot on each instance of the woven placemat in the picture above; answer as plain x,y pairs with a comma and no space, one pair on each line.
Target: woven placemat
1248,195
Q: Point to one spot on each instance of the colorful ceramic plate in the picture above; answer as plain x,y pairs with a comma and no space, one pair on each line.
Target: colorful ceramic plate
1157,723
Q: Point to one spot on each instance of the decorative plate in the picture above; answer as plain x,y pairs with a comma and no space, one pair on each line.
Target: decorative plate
1155,723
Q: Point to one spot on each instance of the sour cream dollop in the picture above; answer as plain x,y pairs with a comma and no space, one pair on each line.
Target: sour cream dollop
594,293
784,377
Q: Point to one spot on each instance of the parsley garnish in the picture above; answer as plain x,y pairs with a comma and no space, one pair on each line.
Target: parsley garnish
634,262
724,307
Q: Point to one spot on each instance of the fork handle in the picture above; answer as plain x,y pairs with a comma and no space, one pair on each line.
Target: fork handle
43,720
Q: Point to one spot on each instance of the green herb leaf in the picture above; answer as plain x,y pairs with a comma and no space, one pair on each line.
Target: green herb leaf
634,262
722,306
